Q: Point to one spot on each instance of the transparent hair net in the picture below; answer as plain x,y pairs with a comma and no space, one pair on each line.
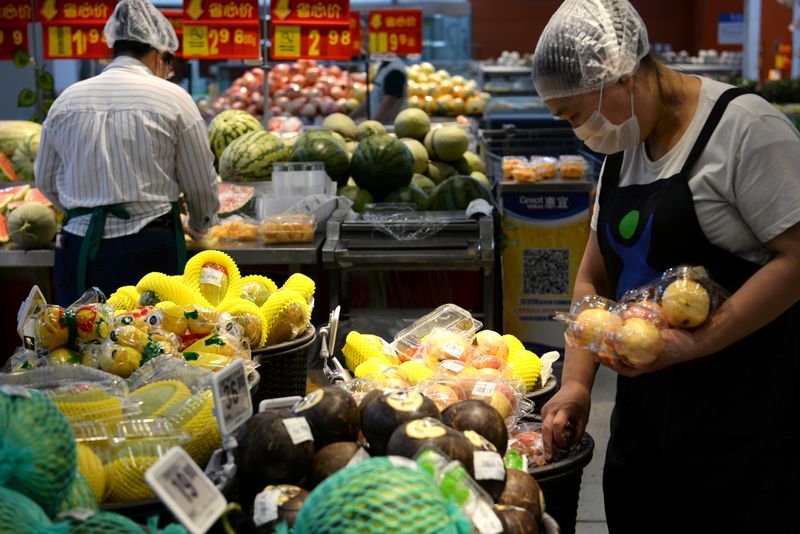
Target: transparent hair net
586,45
141,21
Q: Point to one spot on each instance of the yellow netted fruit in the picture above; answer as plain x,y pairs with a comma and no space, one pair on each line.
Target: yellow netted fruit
124,299
256,289
371,368
287,314
166,288
513,343
250,317
212,362
158,397
359,348
91,467
414,372
385,349
165,304
212,273
195,416
526,366
125,477
92,404
302,284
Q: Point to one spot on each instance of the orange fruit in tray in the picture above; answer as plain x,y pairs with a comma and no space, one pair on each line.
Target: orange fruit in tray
686,303
638,342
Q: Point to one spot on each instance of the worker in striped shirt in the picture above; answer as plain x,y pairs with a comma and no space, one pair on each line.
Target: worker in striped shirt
116,153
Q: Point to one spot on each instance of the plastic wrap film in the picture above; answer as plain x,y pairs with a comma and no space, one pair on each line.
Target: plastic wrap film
407,226
141,21
249,316
166,368
256,288
195,416
287,314
212,273
157,397
586,45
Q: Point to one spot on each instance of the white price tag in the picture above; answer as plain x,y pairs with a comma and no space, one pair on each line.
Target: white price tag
358,457
28,311
211,276
265,508
488,466
400,461
298,429
188,493
16,391
483,389
231,397
81,514
485,520
453,365
453,349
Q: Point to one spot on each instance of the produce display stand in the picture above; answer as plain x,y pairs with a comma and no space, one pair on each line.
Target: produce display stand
461,244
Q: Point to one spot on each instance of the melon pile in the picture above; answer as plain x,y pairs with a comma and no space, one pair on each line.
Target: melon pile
27,218
439,93
19,144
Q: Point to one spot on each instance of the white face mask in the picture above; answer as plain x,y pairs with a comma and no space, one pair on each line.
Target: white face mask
601,135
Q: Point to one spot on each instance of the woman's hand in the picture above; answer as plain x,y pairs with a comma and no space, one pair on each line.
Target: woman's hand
678,346
564,417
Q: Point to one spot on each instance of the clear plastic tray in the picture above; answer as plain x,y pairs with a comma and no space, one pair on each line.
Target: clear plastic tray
169,368
292,228
448,316
53,379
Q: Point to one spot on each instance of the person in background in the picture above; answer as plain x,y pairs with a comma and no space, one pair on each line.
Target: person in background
697,173
389,92
116,152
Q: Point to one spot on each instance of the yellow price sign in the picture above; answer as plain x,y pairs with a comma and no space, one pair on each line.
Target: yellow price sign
195,40
287,41
60,41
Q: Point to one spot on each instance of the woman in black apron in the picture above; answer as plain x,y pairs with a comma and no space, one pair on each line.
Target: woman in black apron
703,440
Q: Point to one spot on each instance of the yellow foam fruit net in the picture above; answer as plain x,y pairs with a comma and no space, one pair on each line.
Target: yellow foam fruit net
287,314
239,306
91,467
125,476
124,299
158,397
302,284
358,348
93,404
170,289
194,267
165,304
415,372
371,368
195,416
513,343
526,366
267,283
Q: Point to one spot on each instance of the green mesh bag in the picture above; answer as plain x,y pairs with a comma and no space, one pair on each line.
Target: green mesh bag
37,448
20,515
376,497
108,522
80,495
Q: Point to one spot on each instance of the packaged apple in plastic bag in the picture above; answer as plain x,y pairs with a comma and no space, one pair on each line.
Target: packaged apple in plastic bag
443,344
688,296
526,439
589,322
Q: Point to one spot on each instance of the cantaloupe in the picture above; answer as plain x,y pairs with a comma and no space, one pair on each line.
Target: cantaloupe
448,143
413,123
32,225
420,154
342,124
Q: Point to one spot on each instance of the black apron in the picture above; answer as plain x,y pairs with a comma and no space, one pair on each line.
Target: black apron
709,445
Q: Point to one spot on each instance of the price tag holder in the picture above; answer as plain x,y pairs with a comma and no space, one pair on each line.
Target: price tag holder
488,466
186,491
265,507
232,400
485,520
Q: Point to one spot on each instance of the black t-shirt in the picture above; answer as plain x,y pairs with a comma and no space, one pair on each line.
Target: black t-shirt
394,83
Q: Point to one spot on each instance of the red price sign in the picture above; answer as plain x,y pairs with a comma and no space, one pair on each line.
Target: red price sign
397,31
216,30
311,42
299,12
355,31
13,37
176,19
15,12
73,29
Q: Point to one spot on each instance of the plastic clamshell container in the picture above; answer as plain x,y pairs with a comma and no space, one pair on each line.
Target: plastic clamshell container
573,167
294,228
509,163
589,322
448,316
546,168
169,368
67,378
300,179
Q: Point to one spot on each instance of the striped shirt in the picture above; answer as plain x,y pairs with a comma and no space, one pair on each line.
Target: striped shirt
127,137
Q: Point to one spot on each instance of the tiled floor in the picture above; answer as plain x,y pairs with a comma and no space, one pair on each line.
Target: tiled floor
591,515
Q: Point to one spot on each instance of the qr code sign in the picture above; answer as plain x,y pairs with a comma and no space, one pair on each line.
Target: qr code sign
545,271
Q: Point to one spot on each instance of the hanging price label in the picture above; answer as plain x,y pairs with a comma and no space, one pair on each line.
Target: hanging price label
186,491
231,397
75,42
398,31
311,42
211,42
13,37
488,466
355,32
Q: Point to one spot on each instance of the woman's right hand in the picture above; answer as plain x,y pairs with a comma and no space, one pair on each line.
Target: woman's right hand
565,416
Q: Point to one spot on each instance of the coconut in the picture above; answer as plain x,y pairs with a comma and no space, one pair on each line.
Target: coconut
383,415
410,438
331,459
332,414
516,520
289,500
522,490
480,417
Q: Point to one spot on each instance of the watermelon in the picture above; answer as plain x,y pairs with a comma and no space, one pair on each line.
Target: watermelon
423,182
3,229
12,133
438,171
382,164
411,194
419,153
250,157
228,126
448,143
34,195
321,146
32,225
359,197
25,156
342,124
339,138
482,178
233,197
367,128
468,163
413,123
17,192
7,173
455,194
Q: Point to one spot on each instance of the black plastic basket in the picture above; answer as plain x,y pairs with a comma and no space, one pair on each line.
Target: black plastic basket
283,368
543,394
495,144
561,484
